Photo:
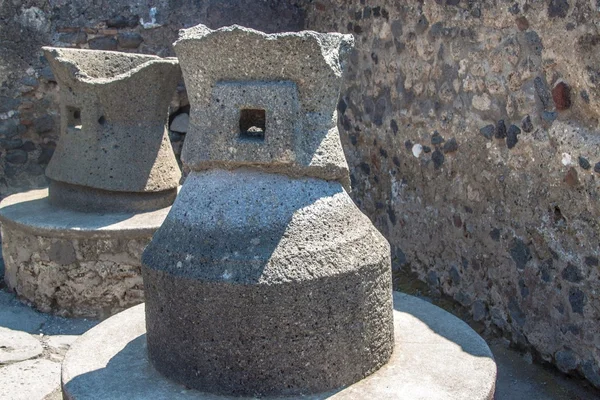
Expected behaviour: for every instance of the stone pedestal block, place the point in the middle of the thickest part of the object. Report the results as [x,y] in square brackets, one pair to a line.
[75,249]
[72,263]
[262,283]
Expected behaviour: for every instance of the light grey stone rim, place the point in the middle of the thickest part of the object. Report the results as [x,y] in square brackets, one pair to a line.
[31,212]
[110,361]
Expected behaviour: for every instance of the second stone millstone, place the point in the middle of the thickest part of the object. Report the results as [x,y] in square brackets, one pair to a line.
[265,279]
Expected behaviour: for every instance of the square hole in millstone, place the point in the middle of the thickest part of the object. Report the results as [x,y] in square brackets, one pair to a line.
[252,124]
[73,117]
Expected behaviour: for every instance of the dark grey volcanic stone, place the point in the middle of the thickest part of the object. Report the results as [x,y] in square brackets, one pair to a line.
[436,356]
[265,279]
[294,77]
[263,284]
[86,199]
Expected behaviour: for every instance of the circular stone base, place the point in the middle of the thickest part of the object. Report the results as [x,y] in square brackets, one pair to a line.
[436,356]
[72,263]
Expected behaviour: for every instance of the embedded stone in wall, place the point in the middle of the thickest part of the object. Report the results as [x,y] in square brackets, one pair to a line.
[129,40]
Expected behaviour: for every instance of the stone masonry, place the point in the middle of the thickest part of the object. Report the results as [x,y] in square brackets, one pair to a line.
[470,127]
[83,278]
[472,134]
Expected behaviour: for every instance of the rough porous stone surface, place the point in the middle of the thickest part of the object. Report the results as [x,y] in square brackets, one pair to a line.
[29,380]
[29,107]
[294,78]
[86,199]
[273,285]
[17,346]
[401,87]
[113,136]
[508,223]
[265,278]
[436,357]
[92,278]
[70,263]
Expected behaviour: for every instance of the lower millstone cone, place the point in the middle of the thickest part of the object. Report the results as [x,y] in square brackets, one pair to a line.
[261,284]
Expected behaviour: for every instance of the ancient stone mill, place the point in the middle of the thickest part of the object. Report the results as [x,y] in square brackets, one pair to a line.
[265,280]
[74,249]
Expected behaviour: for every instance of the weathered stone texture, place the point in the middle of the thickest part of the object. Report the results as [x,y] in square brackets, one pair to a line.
[29,380]
[504,223]
[103,153]
[28,88]
[290,283]
[56,275]
[17,346]
[436,356]
[457,67]
[266,279]
[298,99]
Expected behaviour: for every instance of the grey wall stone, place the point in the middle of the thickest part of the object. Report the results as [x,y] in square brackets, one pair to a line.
[510,216]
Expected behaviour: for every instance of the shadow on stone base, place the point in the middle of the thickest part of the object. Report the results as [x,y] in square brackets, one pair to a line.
[436,356]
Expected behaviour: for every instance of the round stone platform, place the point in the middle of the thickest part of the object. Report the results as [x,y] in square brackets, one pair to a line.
[73,263]
[436,356]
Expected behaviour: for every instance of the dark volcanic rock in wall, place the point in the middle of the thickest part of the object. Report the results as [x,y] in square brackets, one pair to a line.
[16,156]
[542,91]
[558,8]
[103,43]
[511,136]
[520,253]
[121,21]
[500,130]
[129,40]
[450,146]
[488,131]
[526,124]
[438,159]
[584,163]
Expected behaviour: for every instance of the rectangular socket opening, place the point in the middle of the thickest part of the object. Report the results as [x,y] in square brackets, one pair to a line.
[73,117]
[252,124]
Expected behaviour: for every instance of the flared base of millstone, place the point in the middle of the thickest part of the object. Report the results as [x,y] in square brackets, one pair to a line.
[86,199]
[265,284]
[72,263]
[436,356]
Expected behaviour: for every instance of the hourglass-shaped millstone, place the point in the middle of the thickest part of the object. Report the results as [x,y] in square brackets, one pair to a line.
[265,278]
[114,151]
